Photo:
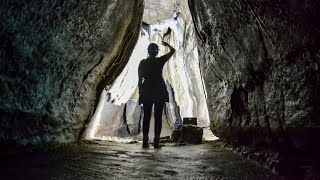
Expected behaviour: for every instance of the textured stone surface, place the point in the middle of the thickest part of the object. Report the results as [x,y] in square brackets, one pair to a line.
[56,57]
[158,10]
[183,73]
[187,134]
[260,62]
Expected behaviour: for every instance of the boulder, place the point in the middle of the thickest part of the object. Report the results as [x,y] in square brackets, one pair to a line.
[189,134]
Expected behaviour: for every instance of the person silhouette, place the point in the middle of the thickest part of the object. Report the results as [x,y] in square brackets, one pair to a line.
[152,90]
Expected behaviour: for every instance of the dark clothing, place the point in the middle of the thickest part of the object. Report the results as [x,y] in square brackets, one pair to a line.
[152,88]
[147,108]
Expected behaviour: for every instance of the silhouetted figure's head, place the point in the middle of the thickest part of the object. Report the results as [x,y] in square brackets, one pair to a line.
[153,50]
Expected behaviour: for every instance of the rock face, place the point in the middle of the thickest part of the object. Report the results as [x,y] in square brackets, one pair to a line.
[56,57]
[156,11]
[260,63]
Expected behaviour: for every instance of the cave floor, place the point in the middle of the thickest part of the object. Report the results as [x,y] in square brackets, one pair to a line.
[111,160]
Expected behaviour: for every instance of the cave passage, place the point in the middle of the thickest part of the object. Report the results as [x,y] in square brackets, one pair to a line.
[247,70]
[119,116]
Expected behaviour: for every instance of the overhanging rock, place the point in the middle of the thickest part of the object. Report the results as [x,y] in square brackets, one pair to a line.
[56,58]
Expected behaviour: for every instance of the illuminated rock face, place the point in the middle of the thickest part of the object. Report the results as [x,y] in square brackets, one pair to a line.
[182,73]
[260,63]
[56,57]
[156,11]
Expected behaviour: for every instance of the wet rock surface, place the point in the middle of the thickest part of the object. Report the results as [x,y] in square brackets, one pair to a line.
[107,160]
[260,63]
[56,57]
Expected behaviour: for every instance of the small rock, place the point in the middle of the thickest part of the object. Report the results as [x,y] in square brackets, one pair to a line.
[187,134]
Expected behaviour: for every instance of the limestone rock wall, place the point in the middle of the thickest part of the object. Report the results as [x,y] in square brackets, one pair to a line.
[110,118]
[183,72]
[260,62]
[55,59]
[156,11]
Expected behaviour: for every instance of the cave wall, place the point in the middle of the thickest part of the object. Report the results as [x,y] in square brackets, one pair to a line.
[183,71]
[260,63]
[55,59]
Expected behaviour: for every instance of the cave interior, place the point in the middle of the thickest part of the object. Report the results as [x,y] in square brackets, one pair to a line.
[248,70]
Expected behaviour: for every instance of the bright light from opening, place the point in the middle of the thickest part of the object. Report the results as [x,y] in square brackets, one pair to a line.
[182,73]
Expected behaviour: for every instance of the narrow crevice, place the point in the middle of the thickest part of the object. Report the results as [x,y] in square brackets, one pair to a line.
[124,117]
[178,120]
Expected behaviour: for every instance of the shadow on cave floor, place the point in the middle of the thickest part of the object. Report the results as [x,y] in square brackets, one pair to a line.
[111,160]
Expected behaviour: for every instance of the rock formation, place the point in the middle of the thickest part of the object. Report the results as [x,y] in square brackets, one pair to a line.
[55,59]
[260,63]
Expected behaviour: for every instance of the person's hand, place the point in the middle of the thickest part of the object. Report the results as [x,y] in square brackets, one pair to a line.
[165,44]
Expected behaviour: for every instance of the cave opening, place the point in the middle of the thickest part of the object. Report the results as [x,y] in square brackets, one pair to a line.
[118,116]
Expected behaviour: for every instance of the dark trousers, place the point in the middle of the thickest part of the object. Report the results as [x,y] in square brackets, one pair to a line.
[147,108]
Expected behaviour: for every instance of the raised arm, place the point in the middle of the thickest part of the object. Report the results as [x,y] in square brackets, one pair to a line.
[172,50]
